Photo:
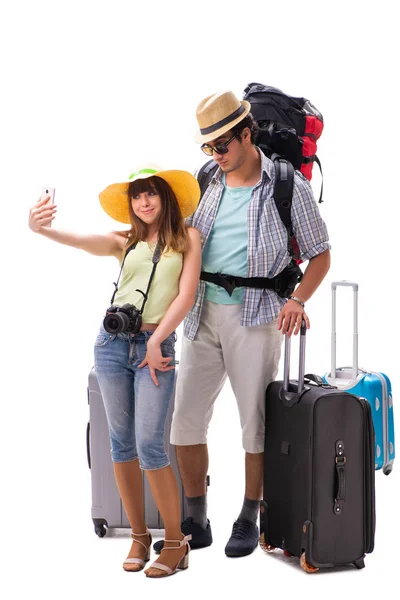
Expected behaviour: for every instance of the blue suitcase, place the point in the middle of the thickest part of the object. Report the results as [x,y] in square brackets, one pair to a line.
[374,386]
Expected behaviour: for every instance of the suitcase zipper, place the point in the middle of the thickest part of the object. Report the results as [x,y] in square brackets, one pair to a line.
[385,419]
[370,478]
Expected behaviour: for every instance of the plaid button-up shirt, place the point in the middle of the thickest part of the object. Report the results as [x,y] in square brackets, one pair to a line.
[267,253]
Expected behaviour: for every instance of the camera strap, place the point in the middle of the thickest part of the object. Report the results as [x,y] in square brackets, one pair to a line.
[155,261]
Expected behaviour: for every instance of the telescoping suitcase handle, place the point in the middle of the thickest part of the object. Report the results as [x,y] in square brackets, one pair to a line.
[334,373]
[286,394]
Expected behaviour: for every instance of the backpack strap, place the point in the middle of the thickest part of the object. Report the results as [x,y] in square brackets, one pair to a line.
[205,174]
[316,159]
[310,159]
[283,193]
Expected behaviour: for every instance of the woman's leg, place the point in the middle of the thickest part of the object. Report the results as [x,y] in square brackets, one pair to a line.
[151,408]
[129,478]
[116,381]
[166,496]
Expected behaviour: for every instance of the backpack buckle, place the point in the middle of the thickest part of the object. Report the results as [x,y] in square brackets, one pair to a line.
[228,282]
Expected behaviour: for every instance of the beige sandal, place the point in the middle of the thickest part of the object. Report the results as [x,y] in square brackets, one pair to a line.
[182,564]
[138,561]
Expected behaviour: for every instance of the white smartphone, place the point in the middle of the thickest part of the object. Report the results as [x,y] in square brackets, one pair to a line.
[48,191]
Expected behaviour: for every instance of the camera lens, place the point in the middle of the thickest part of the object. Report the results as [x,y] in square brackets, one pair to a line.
[111,324]
[116,323]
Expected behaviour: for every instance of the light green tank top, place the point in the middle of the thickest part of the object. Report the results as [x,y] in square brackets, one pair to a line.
[136,274]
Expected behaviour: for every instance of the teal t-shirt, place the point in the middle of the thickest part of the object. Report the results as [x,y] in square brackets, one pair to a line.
[226,247]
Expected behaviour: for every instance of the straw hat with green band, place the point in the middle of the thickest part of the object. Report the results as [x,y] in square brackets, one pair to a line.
[114,199]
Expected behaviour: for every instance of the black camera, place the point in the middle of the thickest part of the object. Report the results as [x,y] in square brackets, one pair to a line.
[120,319]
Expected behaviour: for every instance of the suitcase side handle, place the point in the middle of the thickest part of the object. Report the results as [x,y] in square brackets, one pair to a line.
[88,445]
[354,286]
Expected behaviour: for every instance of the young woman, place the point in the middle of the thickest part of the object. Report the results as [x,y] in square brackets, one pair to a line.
[134,350]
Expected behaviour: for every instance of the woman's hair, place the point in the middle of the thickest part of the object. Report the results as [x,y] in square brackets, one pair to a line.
[172,233]
[249,122]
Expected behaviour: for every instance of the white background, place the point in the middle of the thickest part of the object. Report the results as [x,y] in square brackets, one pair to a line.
[89,89]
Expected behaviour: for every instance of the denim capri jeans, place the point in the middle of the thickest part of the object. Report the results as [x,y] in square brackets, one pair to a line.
[136,408]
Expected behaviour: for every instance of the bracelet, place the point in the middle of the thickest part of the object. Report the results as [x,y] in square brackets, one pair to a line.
[297,300]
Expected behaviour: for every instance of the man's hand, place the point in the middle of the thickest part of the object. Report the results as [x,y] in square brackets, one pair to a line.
[290,318]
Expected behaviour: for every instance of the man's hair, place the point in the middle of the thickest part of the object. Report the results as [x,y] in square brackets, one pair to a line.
[249,122]
[172,233]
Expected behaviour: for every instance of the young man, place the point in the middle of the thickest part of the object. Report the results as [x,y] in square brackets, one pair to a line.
[238,335]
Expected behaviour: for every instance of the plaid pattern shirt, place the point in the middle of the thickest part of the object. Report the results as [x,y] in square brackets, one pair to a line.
[267,253]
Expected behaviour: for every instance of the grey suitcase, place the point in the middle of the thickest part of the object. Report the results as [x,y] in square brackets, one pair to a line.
[107,509]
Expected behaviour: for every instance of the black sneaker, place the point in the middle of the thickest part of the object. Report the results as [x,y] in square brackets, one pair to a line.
[244,538]
[201,538]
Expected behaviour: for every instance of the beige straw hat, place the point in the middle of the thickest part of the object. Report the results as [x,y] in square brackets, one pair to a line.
[218,114]
[114,199]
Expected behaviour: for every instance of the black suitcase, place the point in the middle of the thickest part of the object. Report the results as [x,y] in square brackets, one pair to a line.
[319,476]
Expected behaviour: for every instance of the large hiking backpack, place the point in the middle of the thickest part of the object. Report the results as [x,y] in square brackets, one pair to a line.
[289,126]
[289,130]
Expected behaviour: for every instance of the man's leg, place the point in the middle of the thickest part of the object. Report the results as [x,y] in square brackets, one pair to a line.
[201,377]
[254,469]
[252,358]
[193,469]
[254,466]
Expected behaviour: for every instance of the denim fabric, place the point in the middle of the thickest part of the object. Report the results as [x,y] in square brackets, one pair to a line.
[136,408]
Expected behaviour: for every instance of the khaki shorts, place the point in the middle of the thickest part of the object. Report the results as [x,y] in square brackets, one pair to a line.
[249,356]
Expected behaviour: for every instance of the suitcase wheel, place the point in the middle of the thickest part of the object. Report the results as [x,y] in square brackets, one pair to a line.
[100,530]
[360,563]
[264,545]
[305,566]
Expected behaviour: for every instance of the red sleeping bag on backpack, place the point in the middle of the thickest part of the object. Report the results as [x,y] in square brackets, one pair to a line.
[289,126]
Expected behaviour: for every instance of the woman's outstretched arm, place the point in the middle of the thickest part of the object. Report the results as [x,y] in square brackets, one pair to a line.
[109,244]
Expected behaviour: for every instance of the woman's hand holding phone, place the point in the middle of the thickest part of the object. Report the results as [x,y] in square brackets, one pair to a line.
[43,212]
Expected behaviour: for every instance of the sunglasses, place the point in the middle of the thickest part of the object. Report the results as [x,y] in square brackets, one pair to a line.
[220,148]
